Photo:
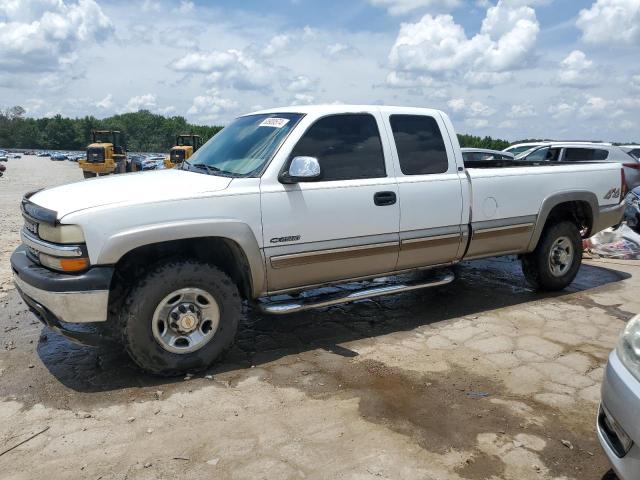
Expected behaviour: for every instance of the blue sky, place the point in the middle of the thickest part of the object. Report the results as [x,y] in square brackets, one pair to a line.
[507,68]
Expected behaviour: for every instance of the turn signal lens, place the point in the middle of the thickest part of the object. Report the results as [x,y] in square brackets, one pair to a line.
[64,264]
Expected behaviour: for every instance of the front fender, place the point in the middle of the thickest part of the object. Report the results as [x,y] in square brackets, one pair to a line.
[116,246]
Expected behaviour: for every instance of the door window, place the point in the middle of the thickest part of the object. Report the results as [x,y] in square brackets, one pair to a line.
[585,154]
[347,146]
[420,145]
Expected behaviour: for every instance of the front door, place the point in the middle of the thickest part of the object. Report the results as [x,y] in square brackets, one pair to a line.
[344,224]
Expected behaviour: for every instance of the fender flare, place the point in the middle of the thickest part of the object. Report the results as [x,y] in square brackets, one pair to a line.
[118,245]
[555,199]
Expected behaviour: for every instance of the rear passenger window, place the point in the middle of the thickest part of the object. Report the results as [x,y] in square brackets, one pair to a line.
[585,154]
[347,147]
[420,144]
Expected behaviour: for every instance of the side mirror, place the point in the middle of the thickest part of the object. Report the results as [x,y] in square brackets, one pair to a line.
[302,169]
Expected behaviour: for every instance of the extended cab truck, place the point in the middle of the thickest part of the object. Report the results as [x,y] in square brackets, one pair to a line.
[285,200]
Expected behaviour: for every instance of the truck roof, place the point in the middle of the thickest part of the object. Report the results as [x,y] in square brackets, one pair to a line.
[340,108]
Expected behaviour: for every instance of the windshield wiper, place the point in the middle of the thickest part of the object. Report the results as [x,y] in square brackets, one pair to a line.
[210,170]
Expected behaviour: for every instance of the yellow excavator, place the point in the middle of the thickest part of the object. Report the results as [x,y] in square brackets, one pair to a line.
[186,145]
[106,154]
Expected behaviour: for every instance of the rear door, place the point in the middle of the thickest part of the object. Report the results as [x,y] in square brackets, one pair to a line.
[430,187]
[343,225]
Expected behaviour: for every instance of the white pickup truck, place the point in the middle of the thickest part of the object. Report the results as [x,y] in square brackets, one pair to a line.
[286,200]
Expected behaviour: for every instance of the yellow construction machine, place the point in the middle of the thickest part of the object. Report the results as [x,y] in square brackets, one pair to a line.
[106,154]
[186,145]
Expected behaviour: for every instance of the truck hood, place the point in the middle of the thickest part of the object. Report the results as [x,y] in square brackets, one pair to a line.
[130,188]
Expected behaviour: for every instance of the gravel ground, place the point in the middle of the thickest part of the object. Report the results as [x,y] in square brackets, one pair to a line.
[480,379]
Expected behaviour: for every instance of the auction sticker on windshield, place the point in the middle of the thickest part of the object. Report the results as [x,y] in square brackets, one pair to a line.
[274,122]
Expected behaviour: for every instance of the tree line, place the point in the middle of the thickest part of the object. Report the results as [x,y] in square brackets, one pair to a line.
[144,131]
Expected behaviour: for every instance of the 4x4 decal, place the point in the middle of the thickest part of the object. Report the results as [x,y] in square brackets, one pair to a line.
[613,193]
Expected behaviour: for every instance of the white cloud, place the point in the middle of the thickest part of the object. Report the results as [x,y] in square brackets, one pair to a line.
[42,35]
[401,7]
[186,6]
[211,104]
[276,45]
[635,81]
[151,6]
[407,80]
[593,105]
[577,70]
[471,110]
[438,44]
[522,110]
[610,21]
[477,122]
[339,49]
[302,99]
[231,68]
[457,104]
[106,103]
[300,83]
[561,110]
[141,102]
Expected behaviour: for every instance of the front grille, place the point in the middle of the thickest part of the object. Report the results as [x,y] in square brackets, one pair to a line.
[177,156]
[31,227]
[95,155]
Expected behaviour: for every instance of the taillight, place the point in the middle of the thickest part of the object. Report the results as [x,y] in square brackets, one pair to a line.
[635,165]
[623,185]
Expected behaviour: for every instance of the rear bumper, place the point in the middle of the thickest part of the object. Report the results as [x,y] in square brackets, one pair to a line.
[608,217]
[80,298]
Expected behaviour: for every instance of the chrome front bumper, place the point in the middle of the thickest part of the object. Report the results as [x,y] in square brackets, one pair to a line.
[60,297]
[73,307]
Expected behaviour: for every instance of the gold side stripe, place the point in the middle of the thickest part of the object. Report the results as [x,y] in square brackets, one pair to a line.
[428,242]
[502,231]
[320,256]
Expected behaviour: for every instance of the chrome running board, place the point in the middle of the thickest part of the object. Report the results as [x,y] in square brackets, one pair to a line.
[300,305]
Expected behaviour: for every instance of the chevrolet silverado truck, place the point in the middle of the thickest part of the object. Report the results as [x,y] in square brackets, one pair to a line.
[281,202]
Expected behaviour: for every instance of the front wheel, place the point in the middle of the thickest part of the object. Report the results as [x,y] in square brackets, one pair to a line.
[555,262]
[180,317]
[89,174]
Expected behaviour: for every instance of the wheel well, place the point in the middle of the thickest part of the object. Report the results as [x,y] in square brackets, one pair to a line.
[577,211]
[226,254]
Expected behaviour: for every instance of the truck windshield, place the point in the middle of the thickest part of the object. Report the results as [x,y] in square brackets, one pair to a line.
[244,147]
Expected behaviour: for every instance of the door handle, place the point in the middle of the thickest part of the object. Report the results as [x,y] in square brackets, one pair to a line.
[382,199]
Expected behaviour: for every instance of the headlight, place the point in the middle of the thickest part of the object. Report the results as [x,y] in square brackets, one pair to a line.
[629,347]
[64,264]
[61,233]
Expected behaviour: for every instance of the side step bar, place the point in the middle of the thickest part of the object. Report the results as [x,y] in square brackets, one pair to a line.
[299,305]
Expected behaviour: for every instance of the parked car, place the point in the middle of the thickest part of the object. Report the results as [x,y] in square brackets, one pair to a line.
[4,156]
[474,154]
[618,423]
[633,150]
[44,154]
[586,152]
[285,200]
[58,157]
[518,148]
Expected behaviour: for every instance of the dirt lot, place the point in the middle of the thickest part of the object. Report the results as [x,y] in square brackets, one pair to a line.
[481,379]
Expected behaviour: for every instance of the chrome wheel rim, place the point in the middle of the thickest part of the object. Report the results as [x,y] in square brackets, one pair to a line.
[185,320]
[561,256]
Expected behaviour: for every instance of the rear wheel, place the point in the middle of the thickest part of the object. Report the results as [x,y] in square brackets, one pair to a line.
[88,174]
[555,262]
[180,317]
